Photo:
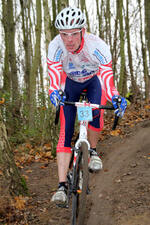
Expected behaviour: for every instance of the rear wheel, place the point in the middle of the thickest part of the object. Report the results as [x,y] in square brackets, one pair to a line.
[80,185]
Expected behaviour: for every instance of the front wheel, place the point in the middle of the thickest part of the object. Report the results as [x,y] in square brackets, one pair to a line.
[80,185]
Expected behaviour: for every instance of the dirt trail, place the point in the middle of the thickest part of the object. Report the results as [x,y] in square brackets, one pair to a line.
[120,193]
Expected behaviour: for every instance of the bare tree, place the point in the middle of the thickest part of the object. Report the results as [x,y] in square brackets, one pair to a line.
[25,14]
[6,71]
[84,9]
[35,65]
[47,23]
[144,56]
[11,182]
[108,24]
[147,36]
[134,88]
[123,79]
[10,66]
[115,44]
[147,25]
[62,4]
[99,14]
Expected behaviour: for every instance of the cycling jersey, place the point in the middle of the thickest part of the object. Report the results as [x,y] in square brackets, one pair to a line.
[93,58]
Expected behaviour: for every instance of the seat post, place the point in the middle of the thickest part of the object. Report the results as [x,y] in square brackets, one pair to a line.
[84,94]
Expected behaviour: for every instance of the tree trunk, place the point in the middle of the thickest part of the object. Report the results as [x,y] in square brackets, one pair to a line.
[147,25]
[108,24]
[12,60]
[122,80]
[35,66]
[11,182]
[47,23]
[11,88]
[134,89]
[25,13]
[6,71]
[101,32]
[115,47]
[62,4]
[144,56]
[147,35]
[53,29]
[84,9]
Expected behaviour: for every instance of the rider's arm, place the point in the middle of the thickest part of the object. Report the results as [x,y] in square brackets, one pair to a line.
[54,72]
[54,65]
[108,80]
[103,56]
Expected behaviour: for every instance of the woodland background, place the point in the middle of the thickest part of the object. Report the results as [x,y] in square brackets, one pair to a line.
[27,27]
[27,130]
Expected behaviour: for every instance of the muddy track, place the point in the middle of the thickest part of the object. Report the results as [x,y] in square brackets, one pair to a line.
[120,193]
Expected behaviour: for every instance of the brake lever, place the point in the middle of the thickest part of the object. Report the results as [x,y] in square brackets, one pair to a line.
[57,114]
[58,108]
[117,117]
[115,122]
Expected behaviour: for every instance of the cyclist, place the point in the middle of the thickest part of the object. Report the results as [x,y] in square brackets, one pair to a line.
[78,60]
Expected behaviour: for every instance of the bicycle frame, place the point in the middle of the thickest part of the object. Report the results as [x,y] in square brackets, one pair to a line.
[82,135]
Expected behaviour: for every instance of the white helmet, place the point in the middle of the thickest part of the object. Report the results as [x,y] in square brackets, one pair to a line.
[70,18]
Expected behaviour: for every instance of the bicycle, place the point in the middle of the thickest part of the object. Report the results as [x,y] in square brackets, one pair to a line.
[78,174]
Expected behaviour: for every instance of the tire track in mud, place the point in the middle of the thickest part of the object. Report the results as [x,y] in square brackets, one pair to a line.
[123,160]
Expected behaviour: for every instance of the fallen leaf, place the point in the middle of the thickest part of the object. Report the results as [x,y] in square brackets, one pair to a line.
[29,171]
[48,154]
[147,106]
[2,101]
[26,177]
[19,202]
[28,145]
[43,167]
[47,146]
[115,132]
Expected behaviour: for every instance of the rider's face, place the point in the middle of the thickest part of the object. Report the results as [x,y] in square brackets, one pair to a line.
[72,38]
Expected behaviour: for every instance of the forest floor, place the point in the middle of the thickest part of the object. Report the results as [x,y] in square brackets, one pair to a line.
[120,193]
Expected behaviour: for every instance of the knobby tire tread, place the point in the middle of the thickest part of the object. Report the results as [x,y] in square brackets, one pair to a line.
[79,200]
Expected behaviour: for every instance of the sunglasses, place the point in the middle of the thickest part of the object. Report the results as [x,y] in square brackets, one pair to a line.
[71,34]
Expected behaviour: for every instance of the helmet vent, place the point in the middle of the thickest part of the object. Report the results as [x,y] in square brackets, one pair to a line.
[58,23]
[62,22]
[82,21]
[67,20]
[77,22]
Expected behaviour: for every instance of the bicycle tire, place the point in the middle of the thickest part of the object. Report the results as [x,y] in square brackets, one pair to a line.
[79,196]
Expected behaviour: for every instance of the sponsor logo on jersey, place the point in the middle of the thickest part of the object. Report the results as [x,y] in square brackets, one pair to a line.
[58,55]
[99,56]
[81,73]
[71,66]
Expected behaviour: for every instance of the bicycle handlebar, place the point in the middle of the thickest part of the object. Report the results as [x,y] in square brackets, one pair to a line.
[77,104]
[109,107]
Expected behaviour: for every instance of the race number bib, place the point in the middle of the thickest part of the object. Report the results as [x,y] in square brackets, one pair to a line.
[85,113]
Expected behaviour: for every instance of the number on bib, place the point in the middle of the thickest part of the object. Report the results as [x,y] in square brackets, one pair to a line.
[85,113]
